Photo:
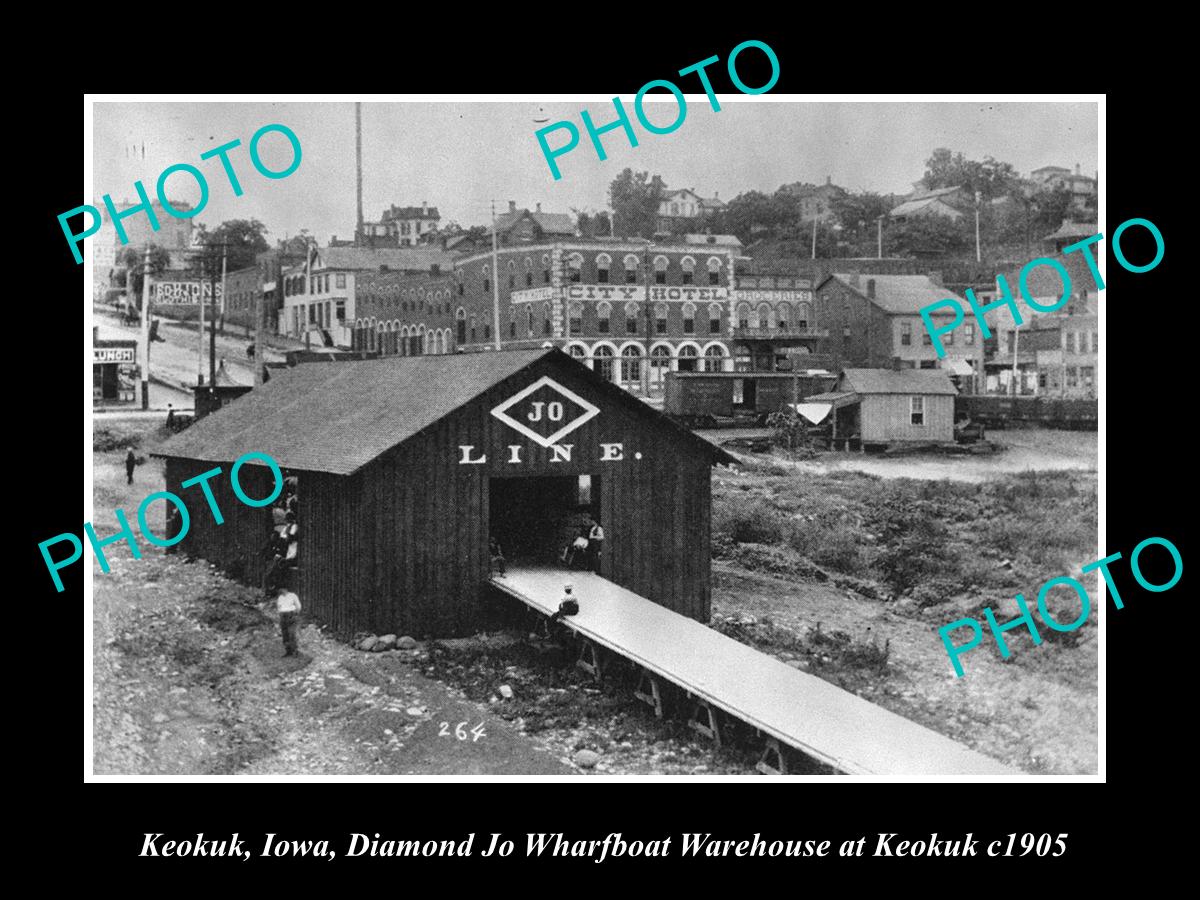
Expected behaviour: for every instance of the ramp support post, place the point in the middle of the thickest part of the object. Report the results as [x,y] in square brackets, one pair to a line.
[589,658]
[647,691]
[772,750]
[708,726]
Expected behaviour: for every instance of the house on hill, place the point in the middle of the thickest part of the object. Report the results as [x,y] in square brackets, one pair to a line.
[523,226]
[948,203]
[405,466]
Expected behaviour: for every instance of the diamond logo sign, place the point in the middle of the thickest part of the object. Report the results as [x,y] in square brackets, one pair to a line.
[545,412]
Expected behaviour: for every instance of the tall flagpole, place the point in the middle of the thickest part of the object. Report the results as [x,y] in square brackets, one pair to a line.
[145,328]
[495,281]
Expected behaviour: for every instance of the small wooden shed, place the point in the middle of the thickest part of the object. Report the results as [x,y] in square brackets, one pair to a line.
[889,406]
[405,465]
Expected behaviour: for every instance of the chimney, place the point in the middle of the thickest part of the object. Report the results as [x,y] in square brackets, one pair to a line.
[424,208]
[512,206]
[828,180]
[539,206]
[870,288]
[1076,168]
[716,195]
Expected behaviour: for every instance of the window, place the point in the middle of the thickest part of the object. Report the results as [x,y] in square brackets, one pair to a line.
[1069,341]
[743,315]
[461,288]
[341,311]
[631,269]
[512,281]
[926,340]
[512,321]
[545,269]
[969,334]
[575,316]
[603,261]
[783,312]
[714,319]
[947,339]
[631,364]
[660,364]
[1095,342]
[602,362]
[487,285]
[631,318]
[714,270]
[929,364]
[529,320]
[660,270]
[689,318]
[906,334]
[462,327]
[763,314]
[714,359]
[547,327]
[917,410]
[688,265]
[472,329]
[603,311]
[1087,375]
[687,359]
[1072,377]
[575,268]
[660,318]
[577,352]
[528,279]
[803,316]
[487,331]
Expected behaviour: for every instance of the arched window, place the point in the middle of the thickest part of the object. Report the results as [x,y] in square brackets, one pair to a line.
[421,340]
[783,316]
[461,317]
[575,317]
[762,316]
[660,270]
[660,364]
[689,318]
[660,318]
[487,282]
[631,318]
[512,321]
[714,270]
[803,315]
[512,274]
[575,268]
[603,262]
[528,272]
[578,352]
[714,318]
[405,344]
[545,268]
[603,311]
[687,359]
[743,315]
[631,269]
[472,329]
[714,359]
[547,324]
[689,268]
[631,365]
[602,362]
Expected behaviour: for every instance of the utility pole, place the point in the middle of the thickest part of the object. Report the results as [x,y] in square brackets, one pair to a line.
[879,223]
[495,281]
[645,368]
[223,249]
[212,324]
[358,163]
[200,329]
[145,328]
[978,254]
[259,303]
[814,239]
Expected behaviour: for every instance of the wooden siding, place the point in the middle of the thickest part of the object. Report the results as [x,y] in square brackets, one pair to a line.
[401,545]
[887,417]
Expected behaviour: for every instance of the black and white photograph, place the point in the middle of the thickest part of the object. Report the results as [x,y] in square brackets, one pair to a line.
[683,436]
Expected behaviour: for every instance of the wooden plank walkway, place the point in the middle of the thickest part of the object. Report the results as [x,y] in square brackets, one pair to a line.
[798,709]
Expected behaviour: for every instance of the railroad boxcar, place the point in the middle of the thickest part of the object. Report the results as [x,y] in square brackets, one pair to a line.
[715,399]
[1048,412]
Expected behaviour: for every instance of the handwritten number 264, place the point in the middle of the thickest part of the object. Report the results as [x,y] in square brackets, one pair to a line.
[460,731]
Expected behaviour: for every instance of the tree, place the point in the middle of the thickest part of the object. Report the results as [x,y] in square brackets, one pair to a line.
[134,262]
[931,236]
[990,178]
[634,199]
[246,238]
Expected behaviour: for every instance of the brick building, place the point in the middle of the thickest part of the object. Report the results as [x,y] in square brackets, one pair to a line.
[875,322]
[404,314]
[610,302]
[774,326]
[524,226]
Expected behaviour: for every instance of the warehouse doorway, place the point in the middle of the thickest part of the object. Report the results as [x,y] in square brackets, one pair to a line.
[535,519]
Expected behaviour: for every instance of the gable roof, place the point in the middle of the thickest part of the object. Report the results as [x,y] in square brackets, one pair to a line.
[908,207]
[550,223]
[891,381]
[339,417]
[901,293]
[395,258]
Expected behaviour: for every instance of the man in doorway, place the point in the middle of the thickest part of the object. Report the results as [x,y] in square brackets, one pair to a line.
[496,555]
[130,463]
[578,549]
[288,605]
[595,546]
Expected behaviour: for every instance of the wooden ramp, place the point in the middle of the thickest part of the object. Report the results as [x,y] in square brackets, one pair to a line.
[790,706]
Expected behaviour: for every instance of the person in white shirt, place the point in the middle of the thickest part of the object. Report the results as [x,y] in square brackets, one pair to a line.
[595,546]
[288,605]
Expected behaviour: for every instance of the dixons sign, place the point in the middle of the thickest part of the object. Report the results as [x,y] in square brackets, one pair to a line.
[545,412]
[183,293]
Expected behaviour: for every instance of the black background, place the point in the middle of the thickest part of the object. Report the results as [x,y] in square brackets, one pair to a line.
[1148,419]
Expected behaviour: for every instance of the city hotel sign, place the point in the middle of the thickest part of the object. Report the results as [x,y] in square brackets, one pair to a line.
[624,292]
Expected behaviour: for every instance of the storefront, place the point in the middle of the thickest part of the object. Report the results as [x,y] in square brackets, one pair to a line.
[114,371]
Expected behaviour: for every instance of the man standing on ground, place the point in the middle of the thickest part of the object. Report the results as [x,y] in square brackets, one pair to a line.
[130,462]
[288,605]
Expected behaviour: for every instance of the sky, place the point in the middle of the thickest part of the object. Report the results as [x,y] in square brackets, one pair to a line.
[461,156]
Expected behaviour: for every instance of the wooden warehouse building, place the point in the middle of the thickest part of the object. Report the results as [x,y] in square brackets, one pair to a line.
[887,407]
[404,466]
